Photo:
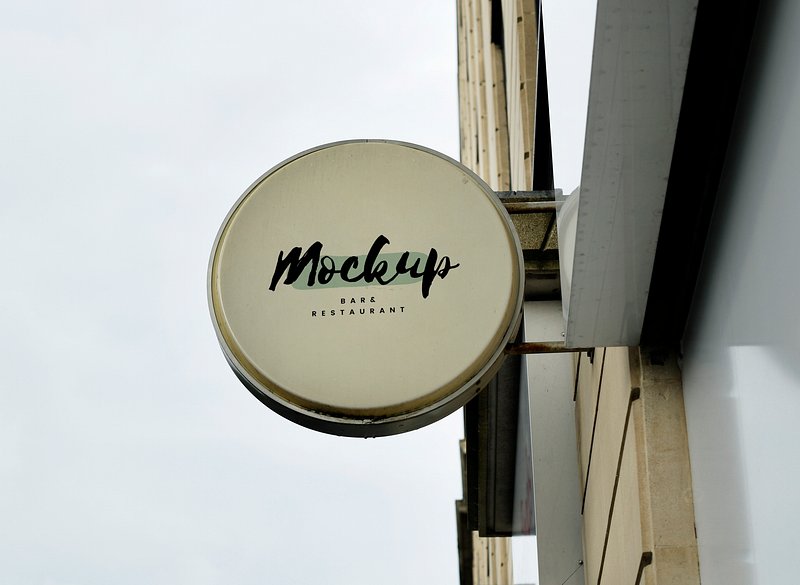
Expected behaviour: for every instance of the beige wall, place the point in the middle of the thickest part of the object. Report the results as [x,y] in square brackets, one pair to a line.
[637,489]
[497,92]
[491,561]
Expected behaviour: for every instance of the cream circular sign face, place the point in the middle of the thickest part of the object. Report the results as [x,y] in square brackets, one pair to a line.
[366,288]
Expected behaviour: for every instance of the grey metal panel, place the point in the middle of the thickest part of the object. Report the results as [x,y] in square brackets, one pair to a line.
[490,422]
[549,380]
[741,373]
[641,52]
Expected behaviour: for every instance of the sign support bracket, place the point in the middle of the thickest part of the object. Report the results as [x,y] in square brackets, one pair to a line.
[519,202]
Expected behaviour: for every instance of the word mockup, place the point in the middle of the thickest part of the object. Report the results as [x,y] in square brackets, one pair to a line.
[318,270]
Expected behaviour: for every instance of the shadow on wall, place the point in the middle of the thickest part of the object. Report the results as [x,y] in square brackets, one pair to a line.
[741,366]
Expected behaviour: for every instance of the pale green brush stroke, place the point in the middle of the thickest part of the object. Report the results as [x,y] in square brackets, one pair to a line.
[336,282]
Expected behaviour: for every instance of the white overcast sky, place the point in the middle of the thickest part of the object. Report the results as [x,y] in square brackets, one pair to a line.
[129,452]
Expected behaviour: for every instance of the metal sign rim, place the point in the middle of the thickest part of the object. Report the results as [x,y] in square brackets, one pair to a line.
[373,426]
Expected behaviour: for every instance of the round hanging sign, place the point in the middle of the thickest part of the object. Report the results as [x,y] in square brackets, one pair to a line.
[366,288]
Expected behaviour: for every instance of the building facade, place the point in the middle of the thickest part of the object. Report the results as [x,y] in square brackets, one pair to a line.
[673,300]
